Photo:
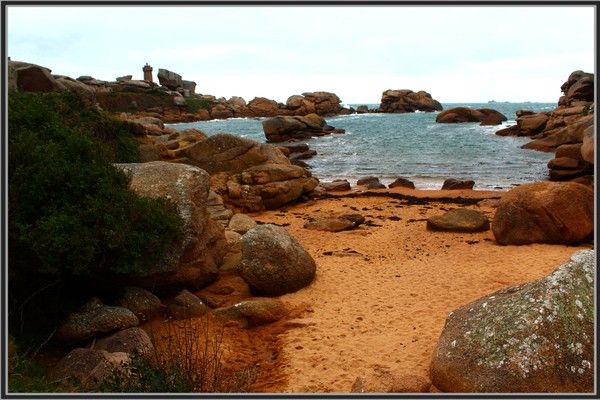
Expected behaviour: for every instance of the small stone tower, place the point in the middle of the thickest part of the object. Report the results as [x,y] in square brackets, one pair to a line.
[147,72]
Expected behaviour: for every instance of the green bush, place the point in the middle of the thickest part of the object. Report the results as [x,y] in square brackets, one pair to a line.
[71,214]
[196,103]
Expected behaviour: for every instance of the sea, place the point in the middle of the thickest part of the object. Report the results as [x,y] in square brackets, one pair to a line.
[413,146]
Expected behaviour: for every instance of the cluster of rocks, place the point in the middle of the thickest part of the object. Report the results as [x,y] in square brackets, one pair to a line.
[263,260]
[405,101]
[486,116]
[285,128]
[320,103]
[174,81]
[247,175]
[535,337]
[372,182]
[568,130]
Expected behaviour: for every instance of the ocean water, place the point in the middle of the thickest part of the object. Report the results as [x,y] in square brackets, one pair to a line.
[413,146]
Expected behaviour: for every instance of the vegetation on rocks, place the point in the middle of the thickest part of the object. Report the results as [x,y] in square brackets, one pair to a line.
[72,218]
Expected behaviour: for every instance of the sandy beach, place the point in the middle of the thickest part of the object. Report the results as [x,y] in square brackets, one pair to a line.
[382,291]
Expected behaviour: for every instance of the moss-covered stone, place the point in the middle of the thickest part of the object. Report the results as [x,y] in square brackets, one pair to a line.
[536,337]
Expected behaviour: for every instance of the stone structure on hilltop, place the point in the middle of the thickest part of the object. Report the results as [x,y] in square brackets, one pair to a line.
[147,72]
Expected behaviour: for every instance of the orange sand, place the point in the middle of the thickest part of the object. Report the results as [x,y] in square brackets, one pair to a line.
[381,299]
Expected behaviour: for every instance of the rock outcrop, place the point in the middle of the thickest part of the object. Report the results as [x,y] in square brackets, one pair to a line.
[535,337]
[194,261]
[273,262]
[566,123]
[485,116]
[284,128]
[545,212]
[169,79]
[405,100]
[248,175]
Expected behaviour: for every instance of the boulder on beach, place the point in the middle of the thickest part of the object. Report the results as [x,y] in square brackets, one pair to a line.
[253,311]
[335,223]
[403,101]
[459,220]
[94,319]
[535,337]
[141,302]
[133,341]
[241,223]
[338,185]
[194,261]
[401,182]
[457,184]
[273,262]
[370,182]
[187,305]
[545,212]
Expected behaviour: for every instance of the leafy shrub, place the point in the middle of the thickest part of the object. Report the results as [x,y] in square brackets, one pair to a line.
[29,376]
[120,101]
[196,103]
[71,214]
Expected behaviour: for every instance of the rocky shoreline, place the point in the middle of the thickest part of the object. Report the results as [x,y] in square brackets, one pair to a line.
[236,197]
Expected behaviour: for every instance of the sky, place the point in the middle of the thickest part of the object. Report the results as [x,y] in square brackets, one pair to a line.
[458,54]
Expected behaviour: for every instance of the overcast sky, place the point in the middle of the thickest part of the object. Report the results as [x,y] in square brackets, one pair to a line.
[458,54]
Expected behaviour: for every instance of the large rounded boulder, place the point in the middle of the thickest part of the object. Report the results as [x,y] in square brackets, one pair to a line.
[545,212]
[273,262]
[95,319]
[536,337]
[194,261]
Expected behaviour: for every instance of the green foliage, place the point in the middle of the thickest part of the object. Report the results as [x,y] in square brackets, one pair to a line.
[28,376]
[70,211]
[122,101]
[157,92]
[196,103]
